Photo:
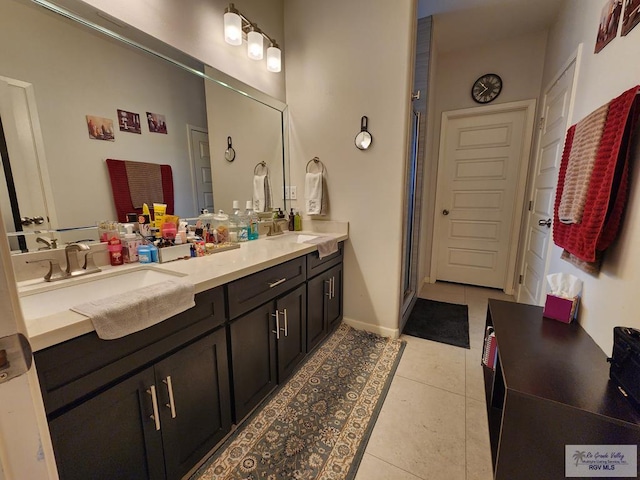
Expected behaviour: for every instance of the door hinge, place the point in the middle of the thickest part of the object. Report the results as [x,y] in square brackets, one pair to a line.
[520,280]
[15,356]
[541,123]
[530,205]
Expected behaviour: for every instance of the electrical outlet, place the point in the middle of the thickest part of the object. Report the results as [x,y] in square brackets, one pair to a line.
[293,194]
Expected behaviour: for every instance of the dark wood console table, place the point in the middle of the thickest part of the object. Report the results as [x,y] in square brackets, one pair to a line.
[550,388]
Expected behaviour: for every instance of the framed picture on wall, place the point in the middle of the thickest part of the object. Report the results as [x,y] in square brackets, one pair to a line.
[631,16]
[129,122]
[100,128]
[609,20]
[157,123]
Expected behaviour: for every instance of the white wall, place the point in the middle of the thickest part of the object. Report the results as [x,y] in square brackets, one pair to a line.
[346,60]
[608,298]
[196,28]
[89,75]
[519,63]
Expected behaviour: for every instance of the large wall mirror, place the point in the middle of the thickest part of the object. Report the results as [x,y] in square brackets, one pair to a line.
[56,71]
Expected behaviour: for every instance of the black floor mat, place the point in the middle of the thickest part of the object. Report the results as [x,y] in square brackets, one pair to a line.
[440,322]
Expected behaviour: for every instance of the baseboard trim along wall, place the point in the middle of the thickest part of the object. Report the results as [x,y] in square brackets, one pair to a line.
[382,331]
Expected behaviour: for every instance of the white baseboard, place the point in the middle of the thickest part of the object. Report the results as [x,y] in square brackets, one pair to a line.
[382,331]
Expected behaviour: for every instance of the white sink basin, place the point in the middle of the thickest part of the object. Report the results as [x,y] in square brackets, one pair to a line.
[55,297]
[293,237]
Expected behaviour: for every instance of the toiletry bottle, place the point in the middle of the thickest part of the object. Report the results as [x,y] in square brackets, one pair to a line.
[144,254]
[298,222]
[130,247]
[243,227]
[233,222]
[252,220]
[154,252]
[115,251]
[292,221]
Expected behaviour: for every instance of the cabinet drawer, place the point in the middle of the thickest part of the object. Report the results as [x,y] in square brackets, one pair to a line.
[316,265]
[76,368]
[250,292]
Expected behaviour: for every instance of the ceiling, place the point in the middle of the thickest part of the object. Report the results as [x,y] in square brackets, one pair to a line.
[461,24]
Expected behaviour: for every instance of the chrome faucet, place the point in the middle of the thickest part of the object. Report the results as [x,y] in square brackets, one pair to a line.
[276,226]
[73,267]
[49,243]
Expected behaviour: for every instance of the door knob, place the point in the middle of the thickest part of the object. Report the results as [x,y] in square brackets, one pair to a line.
[445,212]
[546,223]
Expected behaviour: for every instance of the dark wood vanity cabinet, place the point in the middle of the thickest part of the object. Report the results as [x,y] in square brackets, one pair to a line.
[550,388]
[269,342]
[324,296]
[147,414]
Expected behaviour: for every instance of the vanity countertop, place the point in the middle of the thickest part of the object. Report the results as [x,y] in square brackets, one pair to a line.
[204,272]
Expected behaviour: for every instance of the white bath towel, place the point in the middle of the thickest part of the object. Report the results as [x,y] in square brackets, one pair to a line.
[118,316]
[261,193]
[326,245]
[314,193]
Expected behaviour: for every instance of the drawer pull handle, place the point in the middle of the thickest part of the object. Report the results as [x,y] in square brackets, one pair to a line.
[328,294]
[333,287]
[154,400]
[171,405]
[277,330]
[286,323]
[277,282]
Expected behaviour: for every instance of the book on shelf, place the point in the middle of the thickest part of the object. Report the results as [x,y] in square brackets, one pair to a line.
[490,351]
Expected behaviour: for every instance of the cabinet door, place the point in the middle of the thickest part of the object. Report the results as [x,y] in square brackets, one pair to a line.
[111,435]
[334,301]
[253,358]
[195,406]
[317,293]
[292,344]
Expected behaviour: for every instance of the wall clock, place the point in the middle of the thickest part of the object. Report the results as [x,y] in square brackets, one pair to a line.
[486,88]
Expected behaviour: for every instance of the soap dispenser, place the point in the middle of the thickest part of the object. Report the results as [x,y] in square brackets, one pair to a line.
[292,221]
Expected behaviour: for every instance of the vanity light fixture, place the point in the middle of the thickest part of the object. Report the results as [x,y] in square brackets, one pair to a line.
[236,24]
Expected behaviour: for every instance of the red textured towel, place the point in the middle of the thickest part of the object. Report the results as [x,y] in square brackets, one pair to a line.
[608,186]
[122,195]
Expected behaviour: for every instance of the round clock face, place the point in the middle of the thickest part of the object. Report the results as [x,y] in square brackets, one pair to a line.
[486,88]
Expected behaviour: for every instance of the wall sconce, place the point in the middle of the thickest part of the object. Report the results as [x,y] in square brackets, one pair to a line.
[235,24]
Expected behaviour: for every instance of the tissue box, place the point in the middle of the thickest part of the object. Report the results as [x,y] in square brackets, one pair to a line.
[562,309]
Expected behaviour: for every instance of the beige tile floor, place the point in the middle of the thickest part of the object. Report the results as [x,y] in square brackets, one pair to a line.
[433,423]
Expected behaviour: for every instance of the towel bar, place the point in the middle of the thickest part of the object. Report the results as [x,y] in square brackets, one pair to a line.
[316,162]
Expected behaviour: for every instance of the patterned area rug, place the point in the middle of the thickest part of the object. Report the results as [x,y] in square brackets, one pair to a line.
[316,426]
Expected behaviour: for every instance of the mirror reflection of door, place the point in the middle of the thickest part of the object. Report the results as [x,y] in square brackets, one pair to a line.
[22,190]
[201,168]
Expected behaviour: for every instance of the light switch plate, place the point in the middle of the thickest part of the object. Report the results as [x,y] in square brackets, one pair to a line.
[293,194]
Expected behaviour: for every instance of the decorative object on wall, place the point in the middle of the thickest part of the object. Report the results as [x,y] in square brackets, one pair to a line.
[596,156]
[364,138]
[235,24]
[129,122]
[486,88]
[100,128]
[609,20]
[315,189]
[157,123]
[631,16]
[229,153]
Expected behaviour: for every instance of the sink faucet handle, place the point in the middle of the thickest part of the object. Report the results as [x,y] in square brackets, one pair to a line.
[89,264]
[54,273]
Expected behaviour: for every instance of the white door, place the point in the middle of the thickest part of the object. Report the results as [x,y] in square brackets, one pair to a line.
[201,169]
[25,446]
[24,163]
[481,177]
[556,112]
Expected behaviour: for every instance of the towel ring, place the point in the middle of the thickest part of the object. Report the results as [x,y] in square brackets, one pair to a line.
[261,165]
[316,161]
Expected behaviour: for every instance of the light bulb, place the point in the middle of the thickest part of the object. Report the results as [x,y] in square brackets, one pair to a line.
[254,45]
[274,63]
[232,28]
